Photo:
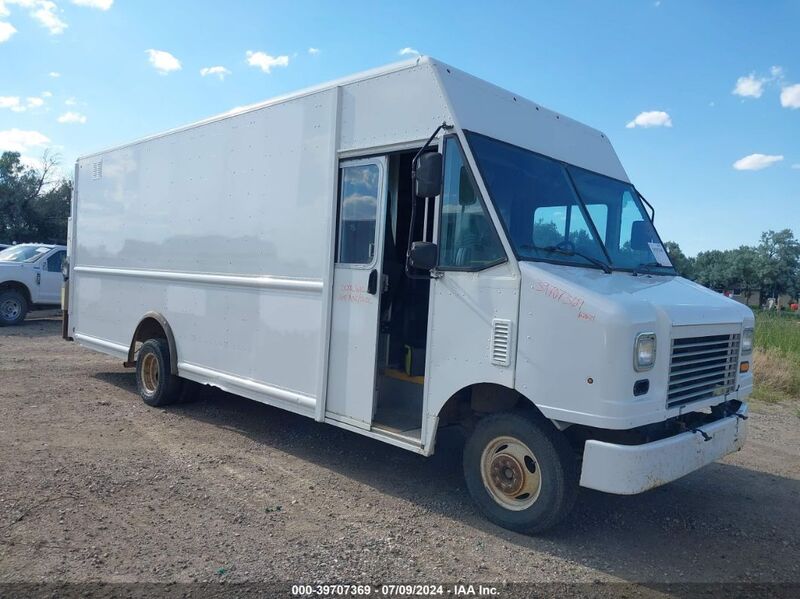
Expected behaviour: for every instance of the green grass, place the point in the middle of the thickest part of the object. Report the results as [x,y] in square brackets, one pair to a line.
[776,359]
[779,331]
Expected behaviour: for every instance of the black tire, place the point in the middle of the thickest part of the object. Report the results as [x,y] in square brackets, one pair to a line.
[156,386]
[553,462]
[13,307]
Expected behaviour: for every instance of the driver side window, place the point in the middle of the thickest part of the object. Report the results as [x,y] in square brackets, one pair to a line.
[467,238]
[55,261]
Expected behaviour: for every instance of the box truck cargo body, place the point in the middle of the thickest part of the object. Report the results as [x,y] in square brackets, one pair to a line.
[407,249]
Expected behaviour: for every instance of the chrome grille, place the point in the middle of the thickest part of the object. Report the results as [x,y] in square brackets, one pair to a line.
[702,367]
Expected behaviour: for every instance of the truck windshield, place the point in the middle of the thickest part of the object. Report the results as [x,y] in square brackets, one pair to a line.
[23,253]
[561,213]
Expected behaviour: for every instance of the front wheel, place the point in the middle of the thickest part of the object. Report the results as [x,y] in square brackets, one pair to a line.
[13,307]
[521,472]
[156,385]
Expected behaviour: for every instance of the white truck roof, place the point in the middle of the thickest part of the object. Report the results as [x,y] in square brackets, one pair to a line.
[433,91]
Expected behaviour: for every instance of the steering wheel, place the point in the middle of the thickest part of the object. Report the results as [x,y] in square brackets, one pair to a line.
[566,246]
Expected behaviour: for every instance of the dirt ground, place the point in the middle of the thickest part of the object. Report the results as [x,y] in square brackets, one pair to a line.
[96,486]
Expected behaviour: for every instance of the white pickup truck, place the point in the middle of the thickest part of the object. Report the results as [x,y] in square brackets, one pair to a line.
[30,275]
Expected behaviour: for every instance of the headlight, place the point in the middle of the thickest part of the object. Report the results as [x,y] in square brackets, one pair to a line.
[644,351]
[747,340]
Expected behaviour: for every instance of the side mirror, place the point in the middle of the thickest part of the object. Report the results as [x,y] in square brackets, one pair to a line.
[428,175]
[466,192]
[424,255]
[640,235]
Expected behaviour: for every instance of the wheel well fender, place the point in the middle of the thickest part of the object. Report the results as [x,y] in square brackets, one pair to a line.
[483,398]
[153,325]
[17,286]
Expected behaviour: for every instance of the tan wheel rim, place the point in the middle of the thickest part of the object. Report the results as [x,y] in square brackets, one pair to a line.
[149,374]
[510,472]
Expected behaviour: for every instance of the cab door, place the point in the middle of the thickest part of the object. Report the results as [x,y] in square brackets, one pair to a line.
[49,278]
[356,291]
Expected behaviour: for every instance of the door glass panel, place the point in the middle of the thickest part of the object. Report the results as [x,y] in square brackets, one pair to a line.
[467,237]
[358,213]
[54,262]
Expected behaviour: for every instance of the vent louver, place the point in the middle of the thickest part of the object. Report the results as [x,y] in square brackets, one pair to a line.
[97,170]
[501,342]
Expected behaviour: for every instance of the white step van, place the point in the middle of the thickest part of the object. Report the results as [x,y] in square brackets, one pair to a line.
[407,249]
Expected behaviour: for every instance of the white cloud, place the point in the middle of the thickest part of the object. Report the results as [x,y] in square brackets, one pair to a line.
[265,62]
[71,102]
[72,117]
[313,51]
[790,96]
[30,161]
[99,4]
[17,140]
[755,162]
[6,31]
[45,13]
[796,166]
[651,118]
[749,86]
[16,104]
[219,71]
[164,62]
[408,52]
[11,102]
[47,94]
[54,74]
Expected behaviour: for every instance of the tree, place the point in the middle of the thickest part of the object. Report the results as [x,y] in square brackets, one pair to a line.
[779,263]
[34,202]
[683,264]
[711,269]
[742,269]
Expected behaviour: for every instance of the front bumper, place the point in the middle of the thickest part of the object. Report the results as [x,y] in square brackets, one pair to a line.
[631,469]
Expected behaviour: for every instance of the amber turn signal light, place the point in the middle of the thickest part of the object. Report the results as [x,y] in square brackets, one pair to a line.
[744,367]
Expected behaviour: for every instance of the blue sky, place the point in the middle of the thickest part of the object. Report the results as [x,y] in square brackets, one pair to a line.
[603,63]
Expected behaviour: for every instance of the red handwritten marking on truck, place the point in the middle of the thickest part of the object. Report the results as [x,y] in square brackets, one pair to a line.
[354,294]
[562,296]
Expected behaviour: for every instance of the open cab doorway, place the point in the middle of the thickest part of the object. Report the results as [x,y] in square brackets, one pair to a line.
[379,330]
[403,327]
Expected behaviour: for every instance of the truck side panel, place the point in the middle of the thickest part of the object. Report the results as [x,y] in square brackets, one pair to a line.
[224,229]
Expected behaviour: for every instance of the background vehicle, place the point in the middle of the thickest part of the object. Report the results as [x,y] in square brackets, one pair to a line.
[408,249]
[30,276]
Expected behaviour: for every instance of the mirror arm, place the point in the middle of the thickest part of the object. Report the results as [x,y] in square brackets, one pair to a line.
[409,273]
[649,205]
[444,126]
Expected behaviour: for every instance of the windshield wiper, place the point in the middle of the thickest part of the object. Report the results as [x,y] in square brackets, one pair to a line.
[642,268]
[570,252]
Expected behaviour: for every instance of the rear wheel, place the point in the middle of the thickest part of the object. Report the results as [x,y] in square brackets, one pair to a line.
[154,381]
[520,471]
[13,307]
